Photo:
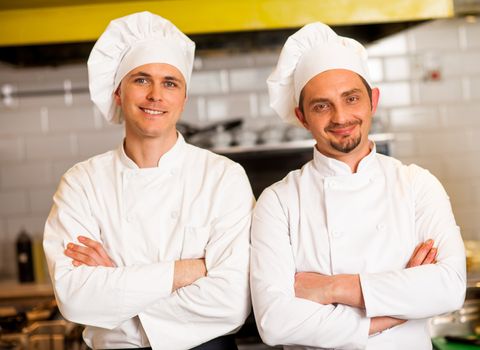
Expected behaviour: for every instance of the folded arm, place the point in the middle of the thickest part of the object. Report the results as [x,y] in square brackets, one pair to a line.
[92,253]
[346,289]
[407,293]
[220,302]
[281,316]
[97,296]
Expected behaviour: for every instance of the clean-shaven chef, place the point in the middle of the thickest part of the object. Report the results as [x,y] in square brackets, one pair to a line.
[148,244]
[355,250]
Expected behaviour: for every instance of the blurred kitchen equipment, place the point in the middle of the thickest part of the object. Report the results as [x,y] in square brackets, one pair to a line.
[24,257]
[272,135]
[295,133]
[202,136]
[221,138]
[463,322]
[38,329]
[246,137]
[472,251]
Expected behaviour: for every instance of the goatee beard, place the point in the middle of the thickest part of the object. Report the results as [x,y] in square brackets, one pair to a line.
[348,145]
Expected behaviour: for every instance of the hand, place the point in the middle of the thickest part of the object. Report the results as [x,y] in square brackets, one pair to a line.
[188,271]
[314,286]
[91,253]
[379,324]
[423,254]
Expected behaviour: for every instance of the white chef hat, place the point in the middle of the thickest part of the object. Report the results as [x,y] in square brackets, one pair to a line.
[313,49]
[127,43]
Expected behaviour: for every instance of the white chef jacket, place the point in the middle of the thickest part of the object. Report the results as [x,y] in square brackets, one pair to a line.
[194,204]
[322,218]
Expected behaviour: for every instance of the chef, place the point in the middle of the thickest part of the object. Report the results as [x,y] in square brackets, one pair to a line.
[148,244]
[355,250]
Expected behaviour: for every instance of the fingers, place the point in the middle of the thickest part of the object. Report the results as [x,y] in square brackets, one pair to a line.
[83,255]
[91,253]
[431,257]
[98,248]
[423,254]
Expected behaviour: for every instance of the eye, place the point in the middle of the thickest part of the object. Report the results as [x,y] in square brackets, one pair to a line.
[320,107]
[170,84]
[352,99]
[141,81]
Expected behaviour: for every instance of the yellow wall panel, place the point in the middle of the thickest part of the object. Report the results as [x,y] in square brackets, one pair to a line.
[62,24]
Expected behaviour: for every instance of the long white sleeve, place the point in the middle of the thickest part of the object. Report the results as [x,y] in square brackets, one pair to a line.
[220,302]
[97,296]
[428,290]
[281,317]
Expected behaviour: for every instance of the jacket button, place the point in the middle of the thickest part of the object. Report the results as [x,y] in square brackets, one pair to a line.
[337,234]
[332,184]
[130,217]
[174,214]
[381,227]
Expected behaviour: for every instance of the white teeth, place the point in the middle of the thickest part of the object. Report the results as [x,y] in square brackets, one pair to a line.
[151,111]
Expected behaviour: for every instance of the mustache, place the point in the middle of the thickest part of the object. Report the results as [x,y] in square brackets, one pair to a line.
[333,126]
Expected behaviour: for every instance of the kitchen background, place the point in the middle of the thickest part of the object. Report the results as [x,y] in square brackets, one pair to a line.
[429,77]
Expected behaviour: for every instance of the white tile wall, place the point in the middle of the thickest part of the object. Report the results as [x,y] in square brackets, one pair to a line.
[397,68]
[414,118]
[20,121]
[395,94]
[435,123]
[461,115]
[207,82]
[50,147]
[472,35]
[92,143]
[40,199]
[442,91]
[25,175]
[443,38]
[74,118]
[11,148]
[375,68]
[227,107]
[391,46]
[13,202]
[249,79]
[475,87]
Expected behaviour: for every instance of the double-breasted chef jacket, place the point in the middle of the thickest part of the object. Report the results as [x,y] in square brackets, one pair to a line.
[322,218]
[195,204]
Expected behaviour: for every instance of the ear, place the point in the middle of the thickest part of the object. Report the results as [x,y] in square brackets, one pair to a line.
[116,95]
[375,98]
[301,118]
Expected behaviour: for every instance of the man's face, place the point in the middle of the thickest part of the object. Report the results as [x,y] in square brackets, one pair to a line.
[152,98]
[338,112]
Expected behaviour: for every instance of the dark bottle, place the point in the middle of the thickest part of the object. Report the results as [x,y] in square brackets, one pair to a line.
[24,257]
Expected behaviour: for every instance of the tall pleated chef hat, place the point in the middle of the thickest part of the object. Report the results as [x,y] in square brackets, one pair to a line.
[313,49]
[129,42]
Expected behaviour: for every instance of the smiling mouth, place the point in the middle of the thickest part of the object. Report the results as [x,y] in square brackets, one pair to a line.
[342,130]
[152,111]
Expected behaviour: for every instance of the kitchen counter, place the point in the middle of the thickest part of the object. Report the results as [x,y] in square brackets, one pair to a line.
[12,289]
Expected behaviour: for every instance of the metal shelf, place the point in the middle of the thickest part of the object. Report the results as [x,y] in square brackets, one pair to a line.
[290,145]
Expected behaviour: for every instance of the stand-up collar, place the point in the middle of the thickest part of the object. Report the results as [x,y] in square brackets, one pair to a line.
[168,160]
[332,167]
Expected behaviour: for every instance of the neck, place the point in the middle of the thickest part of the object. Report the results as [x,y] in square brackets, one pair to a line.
[146,152]
[353,158]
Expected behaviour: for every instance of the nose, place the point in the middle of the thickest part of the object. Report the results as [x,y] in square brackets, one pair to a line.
[339,115]
[155,93]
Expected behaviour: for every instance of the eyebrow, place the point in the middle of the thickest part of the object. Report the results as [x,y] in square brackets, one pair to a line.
[144,74]
[349,92]
[344,94]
